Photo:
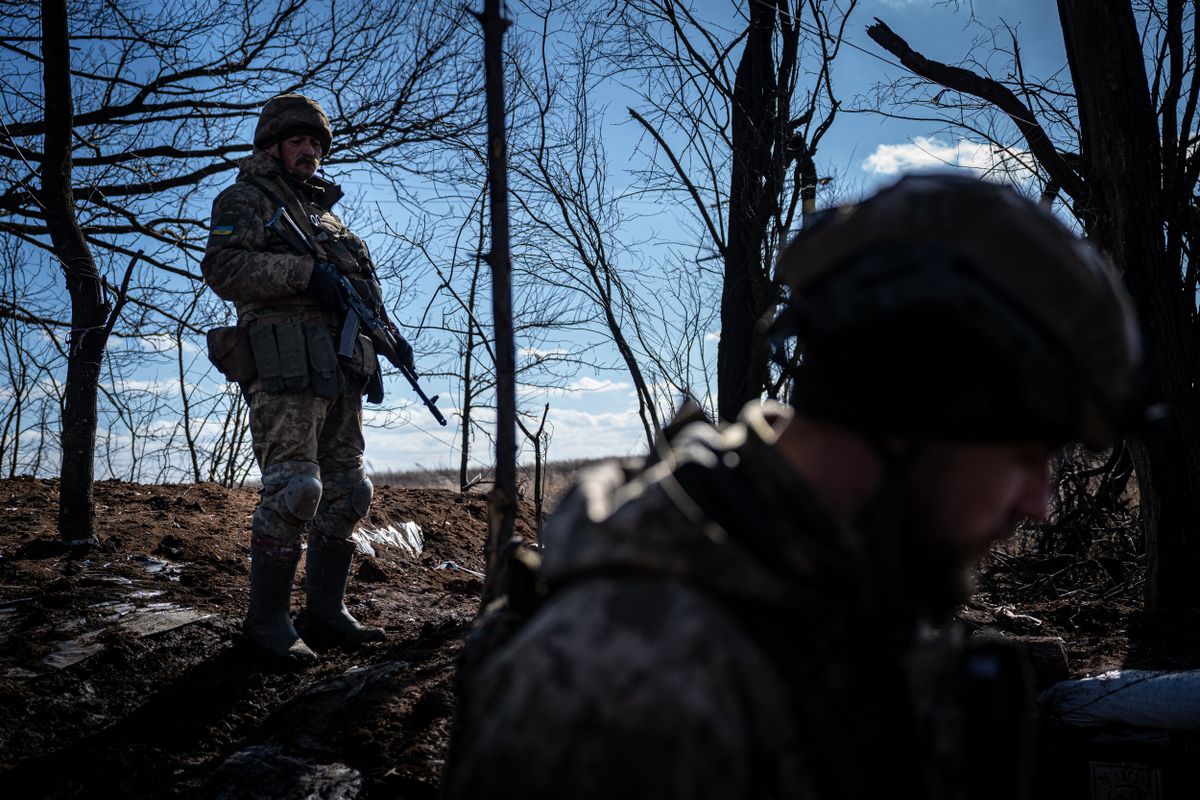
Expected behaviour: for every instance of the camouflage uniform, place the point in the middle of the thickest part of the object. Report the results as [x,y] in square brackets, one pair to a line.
[304,432]
[305,404]
[714,627]
[708,634]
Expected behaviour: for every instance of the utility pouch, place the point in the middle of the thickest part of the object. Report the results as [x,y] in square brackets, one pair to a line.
[229,351]
[293,355]
[327,380]
[266,358]
[364,362]
[373,388]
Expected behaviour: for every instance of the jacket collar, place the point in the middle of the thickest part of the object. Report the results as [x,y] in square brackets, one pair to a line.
[316,190]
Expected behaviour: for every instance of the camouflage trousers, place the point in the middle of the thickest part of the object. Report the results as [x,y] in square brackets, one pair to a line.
[310,451]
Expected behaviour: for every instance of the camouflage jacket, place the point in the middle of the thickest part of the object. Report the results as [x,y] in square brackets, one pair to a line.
[256,270]
[705,636]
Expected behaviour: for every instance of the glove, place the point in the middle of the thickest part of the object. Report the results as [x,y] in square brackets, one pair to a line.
[326,289]
[405,352]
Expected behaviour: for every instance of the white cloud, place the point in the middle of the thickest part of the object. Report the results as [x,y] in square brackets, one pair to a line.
[574,433]
[587,434]
[712,336]
[928,152]
[155,386]
[578,388]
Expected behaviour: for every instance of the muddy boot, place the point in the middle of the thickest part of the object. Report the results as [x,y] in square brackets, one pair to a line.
[325,583]
[268,624]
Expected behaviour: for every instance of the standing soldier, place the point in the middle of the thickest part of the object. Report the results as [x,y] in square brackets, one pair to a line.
[305,403]
[750,616]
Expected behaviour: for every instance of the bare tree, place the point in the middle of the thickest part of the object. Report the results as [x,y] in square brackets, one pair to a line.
[564,194]
[90,308]
[142,108]
[753,121]
[1119,143]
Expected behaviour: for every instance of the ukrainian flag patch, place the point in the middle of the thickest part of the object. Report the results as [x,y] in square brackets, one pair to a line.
[222,230]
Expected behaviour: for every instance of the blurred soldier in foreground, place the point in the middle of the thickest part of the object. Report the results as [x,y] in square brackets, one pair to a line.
[268,231]
[751,615]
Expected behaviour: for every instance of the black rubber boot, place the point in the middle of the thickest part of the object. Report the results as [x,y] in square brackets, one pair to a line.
[325,584]
[268,624]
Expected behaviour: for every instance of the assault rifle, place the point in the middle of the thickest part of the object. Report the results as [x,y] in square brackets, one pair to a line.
[358,314]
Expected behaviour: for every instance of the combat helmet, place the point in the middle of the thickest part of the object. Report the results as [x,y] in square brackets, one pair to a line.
[289,115]
[950,308]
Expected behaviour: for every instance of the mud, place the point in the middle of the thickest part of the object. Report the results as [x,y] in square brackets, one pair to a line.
[122,671]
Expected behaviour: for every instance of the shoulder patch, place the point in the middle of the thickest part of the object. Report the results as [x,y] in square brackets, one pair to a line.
[224,225]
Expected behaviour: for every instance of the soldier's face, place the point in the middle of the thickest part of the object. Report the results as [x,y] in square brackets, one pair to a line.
[964,498]
[300,155]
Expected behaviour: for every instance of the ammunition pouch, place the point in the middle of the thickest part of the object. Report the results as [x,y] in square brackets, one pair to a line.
[366,363]
[374,387]
[230,352]
[291,356]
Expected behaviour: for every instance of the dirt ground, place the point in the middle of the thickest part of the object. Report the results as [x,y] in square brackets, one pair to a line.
[122,672]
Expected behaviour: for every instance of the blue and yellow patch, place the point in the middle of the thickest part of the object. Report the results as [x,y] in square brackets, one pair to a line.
[222,230]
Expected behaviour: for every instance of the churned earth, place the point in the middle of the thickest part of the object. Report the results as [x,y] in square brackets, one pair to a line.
[122,671]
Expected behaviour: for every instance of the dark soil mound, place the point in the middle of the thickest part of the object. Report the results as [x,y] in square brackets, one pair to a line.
[122,670]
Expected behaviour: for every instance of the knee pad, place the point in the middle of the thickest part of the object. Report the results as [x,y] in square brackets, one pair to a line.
[301,496]
[348,494]
[292,489]
[347,500]
[360,496]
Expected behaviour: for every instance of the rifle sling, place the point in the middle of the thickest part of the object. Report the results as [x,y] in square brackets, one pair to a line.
[296,211]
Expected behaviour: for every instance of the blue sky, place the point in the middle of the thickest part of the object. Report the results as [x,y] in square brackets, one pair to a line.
[593,410]
[595,414]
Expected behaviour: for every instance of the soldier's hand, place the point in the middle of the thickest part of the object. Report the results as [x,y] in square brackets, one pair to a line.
[325,289]
[405,352]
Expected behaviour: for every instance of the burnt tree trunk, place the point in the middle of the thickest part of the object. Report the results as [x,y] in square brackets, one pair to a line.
[89,308]
[757,131]
[1124,210]
[502,501]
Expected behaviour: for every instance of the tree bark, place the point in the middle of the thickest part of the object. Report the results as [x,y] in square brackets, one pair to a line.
[741,363]
[502,502]
[89,308]
[1123,210]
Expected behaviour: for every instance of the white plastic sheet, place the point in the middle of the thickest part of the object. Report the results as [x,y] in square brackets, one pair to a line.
[406,537]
